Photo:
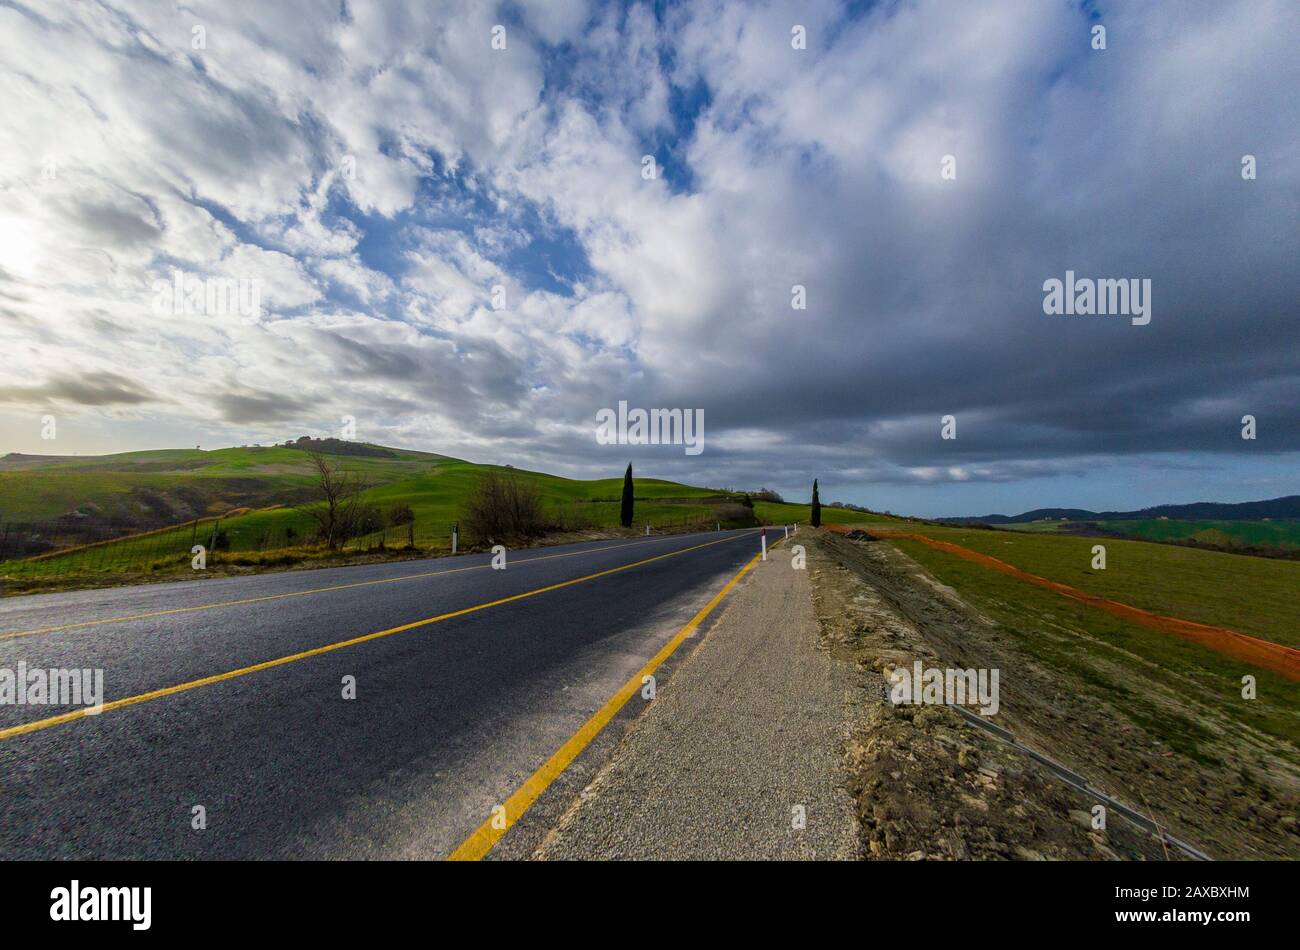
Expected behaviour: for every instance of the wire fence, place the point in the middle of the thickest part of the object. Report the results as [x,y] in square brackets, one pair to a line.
[65,546]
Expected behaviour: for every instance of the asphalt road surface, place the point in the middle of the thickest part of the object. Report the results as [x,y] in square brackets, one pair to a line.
[450,714]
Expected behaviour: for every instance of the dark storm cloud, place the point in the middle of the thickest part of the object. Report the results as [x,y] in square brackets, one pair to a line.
[469,378]
[925,297]
[88,389]
[256,407]
[114,226]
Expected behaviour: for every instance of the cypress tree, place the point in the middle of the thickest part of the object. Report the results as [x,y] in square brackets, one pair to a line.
[816,507]
[625,512]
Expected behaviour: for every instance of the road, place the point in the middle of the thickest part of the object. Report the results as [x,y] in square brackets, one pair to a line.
[741,756]
[227,695]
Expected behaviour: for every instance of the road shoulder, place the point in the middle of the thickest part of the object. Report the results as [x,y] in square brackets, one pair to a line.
[740,756]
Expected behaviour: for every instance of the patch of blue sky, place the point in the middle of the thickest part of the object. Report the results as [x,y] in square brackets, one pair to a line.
[550,258]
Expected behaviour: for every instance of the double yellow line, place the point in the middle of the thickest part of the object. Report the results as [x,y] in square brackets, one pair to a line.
[82,713]
[490,832]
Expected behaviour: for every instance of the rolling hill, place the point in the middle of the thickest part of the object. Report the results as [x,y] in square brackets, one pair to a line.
[1270,528]
[139,489]
[1286,507]
[143,511]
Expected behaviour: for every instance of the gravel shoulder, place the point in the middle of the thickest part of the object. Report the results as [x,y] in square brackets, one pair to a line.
[740,756]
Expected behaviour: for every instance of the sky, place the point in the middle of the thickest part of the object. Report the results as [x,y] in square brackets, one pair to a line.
[468,227]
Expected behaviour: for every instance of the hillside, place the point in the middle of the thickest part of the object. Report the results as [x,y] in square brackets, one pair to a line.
[141,490]
[134,491]
[144,489]
[1286,507]
[141,512]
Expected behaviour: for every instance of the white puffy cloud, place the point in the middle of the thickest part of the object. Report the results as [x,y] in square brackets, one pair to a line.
[379,168]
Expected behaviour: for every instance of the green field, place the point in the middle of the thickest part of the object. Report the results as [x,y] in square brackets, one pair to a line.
[196,491]
[1264,534]
[1252,595]
[1182,582]
[1283,535]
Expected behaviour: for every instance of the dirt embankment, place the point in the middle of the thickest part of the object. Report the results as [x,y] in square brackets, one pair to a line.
[928,785]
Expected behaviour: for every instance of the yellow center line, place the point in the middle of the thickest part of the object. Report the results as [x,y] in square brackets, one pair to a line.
[315,590]
[329,648]
[490,832]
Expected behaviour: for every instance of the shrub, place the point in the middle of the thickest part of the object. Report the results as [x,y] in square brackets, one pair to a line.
[733,514]
[367,520]
[502,508]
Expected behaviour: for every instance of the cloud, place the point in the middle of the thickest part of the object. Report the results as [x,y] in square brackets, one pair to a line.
[380,169]
[259,407]
[90,389]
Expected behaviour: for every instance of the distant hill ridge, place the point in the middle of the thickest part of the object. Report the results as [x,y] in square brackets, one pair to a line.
[1287,506]
[341,447]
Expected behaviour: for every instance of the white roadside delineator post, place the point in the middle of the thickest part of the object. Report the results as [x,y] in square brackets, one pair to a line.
[787,531]
[455,535]
[763,537]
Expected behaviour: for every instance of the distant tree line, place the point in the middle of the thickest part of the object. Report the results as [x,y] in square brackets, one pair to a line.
[333,446]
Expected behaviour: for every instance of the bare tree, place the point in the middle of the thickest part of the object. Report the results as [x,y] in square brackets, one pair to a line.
[340,512]
[503,507]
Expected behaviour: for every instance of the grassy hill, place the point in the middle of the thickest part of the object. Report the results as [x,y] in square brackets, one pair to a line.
[138,489]
[142,511]
[1284,508]
[1270,527]
[1266,536]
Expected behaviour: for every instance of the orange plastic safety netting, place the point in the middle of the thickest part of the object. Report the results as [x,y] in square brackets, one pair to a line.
[1279,659]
